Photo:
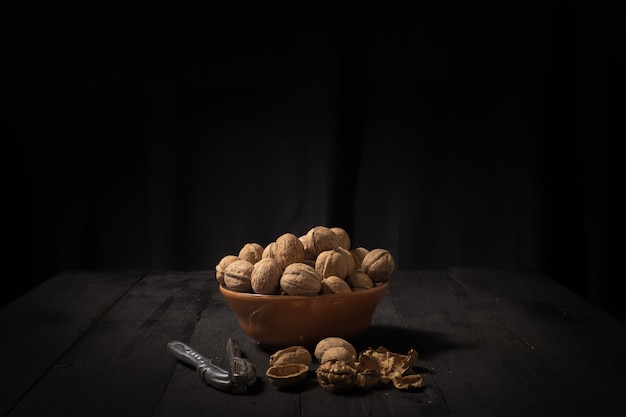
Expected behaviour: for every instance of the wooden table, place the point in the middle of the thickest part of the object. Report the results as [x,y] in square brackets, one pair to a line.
[491,343]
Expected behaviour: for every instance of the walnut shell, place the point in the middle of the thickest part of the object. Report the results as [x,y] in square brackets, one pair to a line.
[368,372]
[335,285]
[268,251]
[349,260]
[292,354]
[300,279]
[251,252]
[338,353]
[287,249]
[359,281]
[342,235]
[331,262]
[265,276]
[237,275]
[222,264]
[330,342]
[336,376]
[358,254]
[287,375]
[318,239]
[378,264]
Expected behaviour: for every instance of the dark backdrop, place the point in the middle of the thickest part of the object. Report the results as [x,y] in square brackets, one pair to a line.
[165,135]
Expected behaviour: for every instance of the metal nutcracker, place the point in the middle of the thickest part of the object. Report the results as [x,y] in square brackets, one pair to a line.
[239,377]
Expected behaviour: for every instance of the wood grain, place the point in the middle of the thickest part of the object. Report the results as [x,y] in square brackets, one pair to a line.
[39,327]
[121,365]
[491,343]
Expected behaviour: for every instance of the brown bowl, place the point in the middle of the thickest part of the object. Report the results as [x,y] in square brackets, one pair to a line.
[279,321]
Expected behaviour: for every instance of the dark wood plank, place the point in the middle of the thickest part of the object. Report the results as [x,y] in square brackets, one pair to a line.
[121,366]
[43,324]
[479,363]
[581,343]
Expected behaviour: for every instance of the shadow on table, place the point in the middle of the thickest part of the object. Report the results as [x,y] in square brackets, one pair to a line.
[399,340]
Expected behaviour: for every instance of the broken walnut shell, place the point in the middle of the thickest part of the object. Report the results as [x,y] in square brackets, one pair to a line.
[292,354]
[287,375]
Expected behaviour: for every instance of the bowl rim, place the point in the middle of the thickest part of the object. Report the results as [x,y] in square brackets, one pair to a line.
[226,291]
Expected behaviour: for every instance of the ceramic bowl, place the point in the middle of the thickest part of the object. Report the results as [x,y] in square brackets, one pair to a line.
[279,321]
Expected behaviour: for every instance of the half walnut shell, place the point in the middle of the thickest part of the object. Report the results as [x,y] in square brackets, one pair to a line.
[287,375]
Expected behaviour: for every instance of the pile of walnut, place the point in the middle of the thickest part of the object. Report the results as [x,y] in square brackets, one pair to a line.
[319,262]
[341,369]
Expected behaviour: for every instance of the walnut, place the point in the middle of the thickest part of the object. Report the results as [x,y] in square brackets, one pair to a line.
[378,264]
[330,342]
[335,285]
[339,353]
[349,260]
[331,262]
[237,275]
[292,354]
[287,249]
[358,254]
[268,251]
[251,252]
[336,376]
[300,279]
[318,239]
[359,281]
[342,235]
[287,375]
[222,264]
[265,276]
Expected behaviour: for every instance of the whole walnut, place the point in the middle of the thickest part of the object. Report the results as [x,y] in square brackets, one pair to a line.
[358,254]
[287,249]
[335,285]
[336,376]
[237,275]
[222,264]
[339,353]
[378,264]
[359,281]
[331,262]
[265,276]
[330,342]
[319,239]
[300,279]
[251,252]
[342,235]
[349,260]
[268,251]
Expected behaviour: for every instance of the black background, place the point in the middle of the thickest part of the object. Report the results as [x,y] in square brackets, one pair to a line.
[166,135]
